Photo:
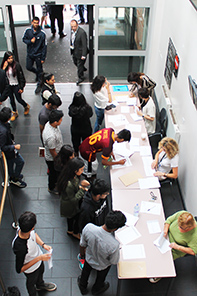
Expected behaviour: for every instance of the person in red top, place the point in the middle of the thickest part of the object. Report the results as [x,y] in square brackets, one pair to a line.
[103,140]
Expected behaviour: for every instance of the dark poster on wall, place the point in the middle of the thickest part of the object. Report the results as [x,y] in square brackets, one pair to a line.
[172,63]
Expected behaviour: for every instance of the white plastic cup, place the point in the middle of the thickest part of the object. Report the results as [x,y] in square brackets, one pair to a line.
[143,136]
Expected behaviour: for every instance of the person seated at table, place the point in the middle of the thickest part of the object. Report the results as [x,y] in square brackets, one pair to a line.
[103,140]
[166,159]
[102,95]
[139,80]
[182,231]
[148,113]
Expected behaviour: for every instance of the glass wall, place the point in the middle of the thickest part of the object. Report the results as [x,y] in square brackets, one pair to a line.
[122,40]
[3,42]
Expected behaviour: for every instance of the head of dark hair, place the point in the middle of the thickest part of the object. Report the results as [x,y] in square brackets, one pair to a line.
[46,76]
[36,18]
[97,83]
[143,93]
[13,291]
[55,115]
[5,114]
[69,172]
[78,99]
[27,221]
[8,54]
[54,100]
[125,135]
[134,77]
[99,186]
[115,220]
[63,157]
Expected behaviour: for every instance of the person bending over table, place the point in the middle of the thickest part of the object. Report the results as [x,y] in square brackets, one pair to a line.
[166,159]
[103,140]
[182,231]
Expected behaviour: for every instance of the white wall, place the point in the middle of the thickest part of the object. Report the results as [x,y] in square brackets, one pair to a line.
[177,20]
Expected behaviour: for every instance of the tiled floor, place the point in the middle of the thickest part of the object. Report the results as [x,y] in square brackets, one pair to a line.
[52,228]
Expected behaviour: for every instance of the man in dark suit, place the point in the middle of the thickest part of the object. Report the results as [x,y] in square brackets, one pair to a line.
[4,86]
[79,49]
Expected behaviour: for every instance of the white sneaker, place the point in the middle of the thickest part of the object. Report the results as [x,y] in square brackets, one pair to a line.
[154,280]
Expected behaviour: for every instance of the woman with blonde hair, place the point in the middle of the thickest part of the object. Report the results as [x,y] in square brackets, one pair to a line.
[182,231]
[166,159]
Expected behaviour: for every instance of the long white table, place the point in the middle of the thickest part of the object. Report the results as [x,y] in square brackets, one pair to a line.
[124,198]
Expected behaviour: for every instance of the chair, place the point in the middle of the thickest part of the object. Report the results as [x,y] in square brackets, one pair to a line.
[154,140]
[163,122]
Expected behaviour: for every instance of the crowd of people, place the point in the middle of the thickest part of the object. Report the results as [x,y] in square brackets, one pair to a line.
[83,201]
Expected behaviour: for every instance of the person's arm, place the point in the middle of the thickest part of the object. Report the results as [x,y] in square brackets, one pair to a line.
[172,175]
[140,113]
[3,141]
[5,89]
[108,91]
[20,77]
[44,49]
[166,228]
[41,243]
[114,257]
[26,39]
[46,94]
[156,160]
[109,163]
[185,250]
[41,128]
[84,45]
[43,257]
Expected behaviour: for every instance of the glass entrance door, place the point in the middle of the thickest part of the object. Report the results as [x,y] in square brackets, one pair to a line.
[5,43]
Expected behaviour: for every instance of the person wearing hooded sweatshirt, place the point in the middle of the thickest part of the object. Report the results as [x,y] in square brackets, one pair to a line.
[35,38]
[94,208]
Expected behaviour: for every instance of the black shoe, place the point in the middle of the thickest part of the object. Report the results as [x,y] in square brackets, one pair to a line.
[79,81]
[63,35]
[103,289]
[18,182]
[53,34]
[84,69]
[38,90]
[47,287]
[83,290]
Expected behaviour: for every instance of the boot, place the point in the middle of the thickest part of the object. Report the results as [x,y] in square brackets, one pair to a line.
[26,111]
[14,115]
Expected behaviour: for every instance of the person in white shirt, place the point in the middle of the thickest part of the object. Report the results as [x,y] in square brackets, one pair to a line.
[102,95]
[166,159]
[148,112]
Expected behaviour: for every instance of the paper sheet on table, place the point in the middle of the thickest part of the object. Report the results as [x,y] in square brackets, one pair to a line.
[134,128]
[120,166]
[132,269]
[134,142]
[133,252]
[162,243]
[121,99]
[130,178]
[147,161]
[145,151]
[131,101]
[148,183]
[136,117]
[125,109]
[153,226]
[150,207]
[118,119]
[121,149]
[127,235]
[131,219]
[50,261]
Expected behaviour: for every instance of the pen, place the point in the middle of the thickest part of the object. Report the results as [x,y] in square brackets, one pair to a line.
[150,209]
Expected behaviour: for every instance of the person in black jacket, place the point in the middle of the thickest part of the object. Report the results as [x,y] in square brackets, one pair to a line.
[47,86]
[94,208]
[79,49]
[4,86]
[35,38]
[81,128]
[17,82]
[14,159]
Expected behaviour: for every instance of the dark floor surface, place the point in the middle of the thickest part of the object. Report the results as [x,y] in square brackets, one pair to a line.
[52,228]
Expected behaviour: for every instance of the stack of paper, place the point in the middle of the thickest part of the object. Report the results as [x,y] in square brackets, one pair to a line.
[149,183]
[133,252]
[153,226]
[127,235]
[150,207]
[130,178]
[120,166]
[162,243]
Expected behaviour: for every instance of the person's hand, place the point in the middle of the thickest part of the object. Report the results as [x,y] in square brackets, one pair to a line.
[42,62]
[139,113]
[153,164]
[83,58]
[47,247]
[20,91]
[45,257]
[158,174]
[174,246]
[122,161]
[131,95]
[17,146]
[5,65]
[33,40]
[84,184]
